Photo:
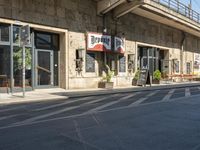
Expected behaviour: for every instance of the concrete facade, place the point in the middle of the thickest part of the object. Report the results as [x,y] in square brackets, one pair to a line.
[72,19]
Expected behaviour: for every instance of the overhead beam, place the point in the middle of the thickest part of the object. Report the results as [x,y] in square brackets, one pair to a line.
[126,8]
[105,6]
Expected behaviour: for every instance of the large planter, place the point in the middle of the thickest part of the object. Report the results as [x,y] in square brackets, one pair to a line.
[134,82]
[107,85]
[155,81]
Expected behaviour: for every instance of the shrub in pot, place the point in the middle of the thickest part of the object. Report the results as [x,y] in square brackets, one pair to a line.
[156,77]
[136,77]
[106,82]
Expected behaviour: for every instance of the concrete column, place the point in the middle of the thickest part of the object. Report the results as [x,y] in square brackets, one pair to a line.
[64,61]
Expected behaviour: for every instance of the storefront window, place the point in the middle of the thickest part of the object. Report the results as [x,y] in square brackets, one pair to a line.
[176,66]
[47,41]
[188,67]
[90,62]
[131,62]
[16,30]
[17,66]
[4,66]
[4,33]
[122,64]
[148,58]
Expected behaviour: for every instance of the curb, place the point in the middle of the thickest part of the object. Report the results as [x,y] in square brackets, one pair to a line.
[128,90]
[30,100]
[100,92]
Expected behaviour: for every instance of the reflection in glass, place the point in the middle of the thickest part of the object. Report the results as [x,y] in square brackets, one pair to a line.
[4,66]
[44,68]
[4,31]
[17,66]
[43,41]
[16,30]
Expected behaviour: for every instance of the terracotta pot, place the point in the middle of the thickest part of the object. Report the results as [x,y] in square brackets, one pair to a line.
[156,81]
[134,82]
[107,85]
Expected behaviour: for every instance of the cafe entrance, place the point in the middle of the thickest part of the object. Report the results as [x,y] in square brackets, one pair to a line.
[44,67]
[148,58]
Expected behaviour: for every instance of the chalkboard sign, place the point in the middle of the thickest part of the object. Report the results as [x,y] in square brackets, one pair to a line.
[90,62]
[122,64]
[144,78]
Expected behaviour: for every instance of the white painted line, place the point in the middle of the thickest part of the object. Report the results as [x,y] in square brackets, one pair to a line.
[60,111]
[61,104]
[198,88]
[187,92]
[7,117]
[111,103]
[142,99]
[168,96]
[10,109]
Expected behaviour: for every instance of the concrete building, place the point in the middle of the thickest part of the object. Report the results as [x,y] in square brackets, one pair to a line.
[72,40]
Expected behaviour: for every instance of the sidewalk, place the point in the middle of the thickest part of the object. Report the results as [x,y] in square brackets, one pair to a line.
[59,94]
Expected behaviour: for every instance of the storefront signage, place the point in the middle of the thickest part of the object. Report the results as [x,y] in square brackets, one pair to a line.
[98,42]
[144,78]
[119,44]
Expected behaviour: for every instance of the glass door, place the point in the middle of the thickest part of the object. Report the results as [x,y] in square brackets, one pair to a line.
[44,68]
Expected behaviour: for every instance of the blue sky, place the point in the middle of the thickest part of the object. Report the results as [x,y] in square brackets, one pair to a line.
[195,4]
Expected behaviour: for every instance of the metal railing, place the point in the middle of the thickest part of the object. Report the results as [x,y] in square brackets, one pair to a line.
[180,8]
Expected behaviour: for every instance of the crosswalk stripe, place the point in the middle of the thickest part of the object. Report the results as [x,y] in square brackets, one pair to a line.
[61,111]
[168,96]
[111,103]
[143,99]
[187,92]
[61,104]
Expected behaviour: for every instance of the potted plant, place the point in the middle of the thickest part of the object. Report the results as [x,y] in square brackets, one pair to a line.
[136,77]
[156,77]
[106,81]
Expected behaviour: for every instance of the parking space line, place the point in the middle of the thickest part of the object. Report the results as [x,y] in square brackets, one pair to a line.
[143,99]
[111,103]
[64,103]
[187,92]
[61,111]
[7,117]
[10,109]
[168,96]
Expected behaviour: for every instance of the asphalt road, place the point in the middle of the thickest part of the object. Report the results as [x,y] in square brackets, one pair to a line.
[147,120]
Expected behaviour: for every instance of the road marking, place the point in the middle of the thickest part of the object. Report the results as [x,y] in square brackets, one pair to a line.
[10,109]
[7,117]
[143,99]
[111,103]
[187,92]
[198,88]
[61,111]
[168,96]
[61,104]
